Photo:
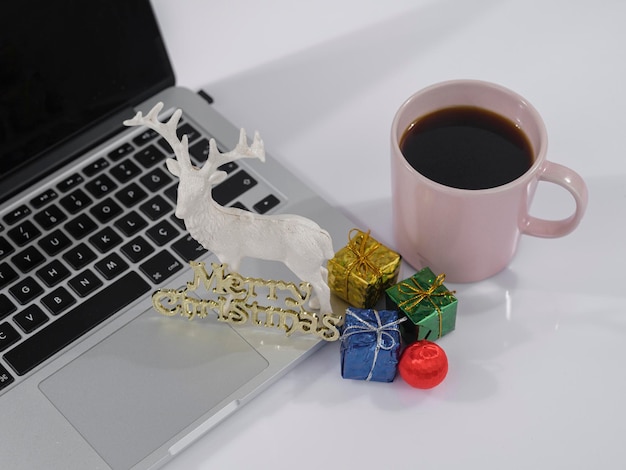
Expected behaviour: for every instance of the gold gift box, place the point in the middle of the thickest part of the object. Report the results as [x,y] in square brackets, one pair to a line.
[360,272]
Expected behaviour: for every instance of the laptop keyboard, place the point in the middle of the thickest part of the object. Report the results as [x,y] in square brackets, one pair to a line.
[79,251]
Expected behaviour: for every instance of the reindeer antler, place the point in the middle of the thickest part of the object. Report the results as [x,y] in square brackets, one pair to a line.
[181,147]
[166,130]
[216,159]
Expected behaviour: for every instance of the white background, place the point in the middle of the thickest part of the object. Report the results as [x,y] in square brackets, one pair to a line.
[536,374]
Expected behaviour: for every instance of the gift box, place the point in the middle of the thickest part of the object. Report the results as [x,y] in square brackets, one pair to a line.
[360,272]
[370,344]
[427,303]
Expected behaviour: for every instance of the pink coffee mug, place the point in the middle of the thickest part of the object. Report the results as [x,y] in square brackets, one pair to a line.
[473,234]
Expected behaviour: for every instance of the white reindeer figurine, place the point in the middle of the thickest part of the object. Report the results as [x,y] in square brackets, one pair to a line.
[231,233]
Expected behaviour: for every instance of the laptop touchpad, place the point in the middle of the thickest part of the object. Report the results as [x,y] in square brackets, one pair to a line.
[134,391]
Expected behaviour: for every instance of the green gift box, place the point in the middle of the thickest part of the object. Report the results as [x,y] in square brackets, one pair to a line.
[426,302]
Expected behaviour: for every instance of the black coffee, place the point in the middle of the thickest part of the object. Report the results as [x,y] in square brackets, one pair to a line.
[467,147]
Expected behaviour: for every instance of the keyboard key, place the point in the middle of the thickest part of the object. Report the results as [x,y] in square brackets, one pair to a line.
[7,274]
[162,233]
[6,306]
[26,290]
[44,198]
[28,259]
[131,195]
[54,242]
[31,318]
[131,223]
[233,187]
[167,148]
[5,378]
[70,182]
[58,300]
[75,201]
[53,273]
[149,156]
[24,233]
[188,248]
[183,129]
[155,180]
[81,226]
[50,217]
[161,266]
[96,167]
[16,214]
[125,171]
[137,249]
[200,150]
[105,239]
[155,208]
[178,222]
[266,204]
[172,193]
[239,205]
[75,323]
[111,266]
[145,137]
[85,283]
[5,247]
[188,130]
[228,167]
[79,256]
[8,335]
[106,210]
[121,152]
[101,186]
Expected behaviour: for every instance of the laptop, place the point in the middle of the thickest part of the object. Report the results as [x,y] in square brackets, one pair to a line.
[91,376]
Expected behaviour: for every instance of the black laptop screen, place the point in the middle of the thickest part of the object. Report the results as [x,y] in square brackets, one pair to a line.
[67,64]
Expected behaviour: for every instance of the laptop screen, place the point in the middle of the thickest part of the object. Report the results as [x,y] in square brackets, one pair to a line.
[66,65]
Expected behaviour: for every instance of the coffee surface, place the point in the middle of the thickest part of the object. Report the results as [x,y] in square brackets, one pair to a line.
[467,147]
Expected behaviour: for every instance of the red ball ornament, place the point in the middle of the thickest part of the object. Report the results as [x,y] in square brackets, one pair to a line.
[423,364]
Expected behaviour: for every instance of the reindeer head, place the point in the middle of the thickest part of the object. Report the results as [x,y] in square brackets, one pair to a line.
[195,183]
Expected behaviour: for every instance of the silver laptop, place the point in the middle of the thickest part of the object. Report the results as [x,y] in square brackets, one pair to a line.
[91,376]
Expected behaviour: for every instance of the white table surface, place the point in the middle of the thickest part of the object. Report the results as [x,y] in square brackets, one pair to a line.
[537,363]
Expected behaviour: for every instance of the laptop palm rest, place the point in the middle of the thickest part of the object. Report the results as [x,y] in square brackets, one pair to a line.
[135,390]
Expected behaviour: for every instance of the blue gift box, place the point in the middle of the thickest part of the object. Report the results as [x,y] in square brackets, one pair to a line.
[370,344]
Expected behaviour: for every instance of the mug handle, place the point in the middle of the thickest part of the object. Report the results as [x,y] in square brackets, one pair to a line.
[572,182]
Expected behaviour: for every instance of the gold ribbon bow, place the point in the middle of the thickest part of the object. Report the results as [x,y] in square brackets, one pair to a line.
[361,261]
[418,294]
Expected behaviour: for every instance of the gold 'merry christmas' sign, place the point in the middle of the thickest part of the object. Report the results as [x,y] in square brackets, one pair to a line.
[239,300]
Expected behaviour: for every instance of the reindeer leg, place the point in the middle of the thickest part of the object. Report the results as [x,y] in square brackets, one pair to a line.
[234,264]
[324,299]
[325,292]
[321,293]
